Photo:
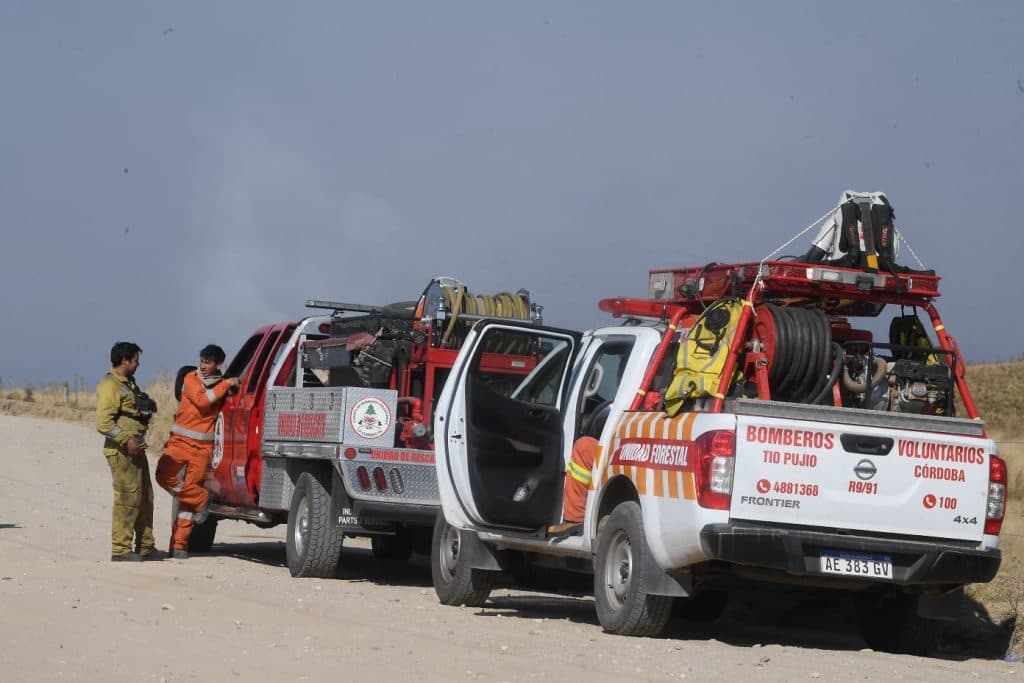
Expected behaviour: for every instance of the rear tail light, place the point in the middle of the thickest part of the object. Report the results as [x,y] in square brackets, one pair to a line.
[715,465]
[382,481]
[996,506]
[397,483]
[364,478]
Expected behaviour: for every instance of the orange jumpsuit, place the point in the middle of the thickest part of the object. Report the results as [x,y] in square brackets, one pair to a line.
[577,478]
[181,470]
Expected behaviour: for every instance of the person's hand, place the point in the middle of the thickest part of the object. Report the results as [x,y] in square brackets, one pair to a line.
[233,382]
[133,446]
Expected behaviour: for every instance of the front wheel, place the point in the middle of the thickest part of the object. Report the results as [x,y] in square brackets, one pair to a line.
[455,582]
[393,548]
[313,543]
[624,606]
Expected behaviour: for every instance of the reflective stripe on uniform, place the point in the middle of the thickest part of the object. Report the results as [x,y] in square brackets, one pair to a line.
[580,474]
[187,516]
[210,396]
[181,480]
[191,433]
[113,432]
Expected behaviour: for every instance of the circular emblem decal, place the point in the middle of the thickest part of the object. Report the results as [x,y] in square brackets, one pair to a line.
[370,417]
[218,442]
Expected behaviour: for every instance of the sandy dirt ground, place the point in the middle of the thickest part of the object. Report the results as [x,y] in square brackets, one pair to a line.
[68,614]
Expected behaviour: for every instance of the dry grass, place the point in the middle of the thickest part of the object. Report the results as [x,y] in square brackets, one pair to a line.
[998,390]
[73,401]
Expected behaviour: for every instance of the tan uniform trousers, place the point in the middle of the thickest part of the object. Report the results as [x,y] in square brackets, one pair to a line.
[133,502]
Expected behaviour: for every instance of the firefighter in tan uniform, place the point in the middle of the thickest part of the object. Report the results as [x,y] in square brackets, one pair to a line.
[122,415]
[181,470]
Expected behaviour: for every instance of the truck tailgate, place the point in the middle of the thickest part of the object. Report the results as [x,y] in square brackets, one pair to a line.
[860,477]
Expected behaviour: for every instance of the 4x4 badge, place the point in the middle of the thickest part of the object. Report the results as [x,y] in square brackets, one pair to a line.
[865,469]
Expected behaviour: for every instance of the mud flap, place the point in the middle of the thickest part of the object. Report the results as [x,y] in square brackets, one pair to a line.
[341,504]
[678,584]
[478,554]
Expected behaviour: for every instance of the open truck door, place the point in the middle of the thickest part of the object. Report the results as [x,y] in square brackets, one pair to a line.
[499,430]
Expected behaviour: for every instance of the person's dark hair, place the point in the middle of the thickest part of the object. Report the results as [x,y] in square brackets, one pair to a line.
[122,351]
[212,352]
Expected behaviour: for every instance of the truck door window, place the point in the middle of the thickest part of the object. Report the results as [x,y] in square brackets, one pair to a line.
[284,373]
[241,360]
[542,385]
[602,384]
[261,362]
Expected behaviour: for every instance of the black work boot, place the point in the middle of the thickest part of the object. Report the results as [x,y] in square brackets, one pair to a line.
[179,554]
[126,557]
[153,555]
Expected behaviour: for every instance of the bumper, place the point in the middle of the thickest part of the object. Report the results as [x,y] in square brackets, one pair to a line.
[798,552]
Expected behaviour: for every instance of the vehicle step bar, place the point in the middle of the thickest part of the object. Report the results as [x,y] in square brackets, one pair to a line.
[247,514]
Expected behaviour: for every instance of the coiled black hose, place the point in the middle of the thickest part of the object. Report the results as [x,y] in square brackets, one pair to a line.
[799,367]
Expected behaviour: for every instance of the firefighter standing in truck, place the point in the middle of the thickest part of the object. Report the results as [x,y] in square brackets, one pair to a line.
[181,470]
[122,416]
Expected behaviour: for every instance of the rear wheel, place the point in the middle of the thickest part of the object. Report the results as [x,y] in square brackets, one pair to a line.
[201,539]
[394,548]
[313,543]
[704,607]
[891,624]
[624,606]
[455,582]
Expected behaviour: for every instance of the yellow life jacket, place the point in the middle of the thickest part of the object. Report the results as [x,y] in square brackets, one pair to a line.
[908,330]
[702,355]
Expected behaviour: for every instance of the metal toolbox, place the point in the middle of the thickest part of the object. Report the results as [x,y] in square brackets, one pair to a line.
[351,415]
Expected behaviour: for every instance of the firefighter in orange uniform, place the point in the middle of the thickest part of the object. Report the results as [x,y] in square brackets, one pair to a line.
[181,470]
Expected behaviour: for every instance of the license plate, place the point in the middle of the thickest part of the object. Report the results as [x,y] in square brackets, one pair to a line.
[857,564]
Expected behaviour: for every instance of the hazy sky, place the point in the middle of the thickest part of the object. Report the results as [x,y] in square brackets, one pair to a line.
[180,173]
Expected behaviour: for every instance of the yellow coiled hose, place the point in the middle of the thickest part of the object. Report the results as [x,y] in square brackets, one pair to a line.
[458,300]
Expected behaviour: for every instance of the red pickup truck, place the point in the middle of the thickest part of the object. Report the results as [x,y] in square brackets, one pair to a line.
[330,430]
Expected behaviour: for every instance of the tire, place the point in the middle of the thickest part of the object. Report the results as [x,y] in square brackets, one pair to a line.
[702,608]
[891,624]
[624,606]
[455,582]
[422,539]
[395,548]
[201,540]
[313,543]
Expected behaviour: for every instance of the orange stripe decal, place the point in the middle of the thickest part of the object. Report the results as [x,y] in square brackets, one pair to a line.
[688,426]
[673,484]
[659,483]
[689,489]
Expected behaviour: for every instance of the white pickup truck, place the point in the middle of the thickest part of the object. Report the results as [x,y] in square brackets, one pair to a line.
[824,457]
